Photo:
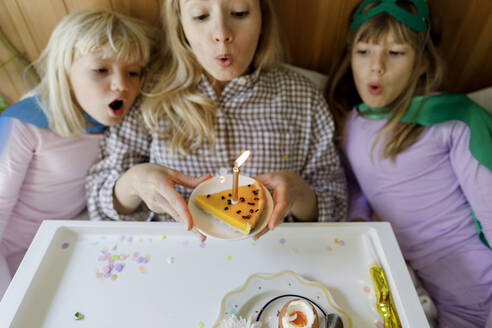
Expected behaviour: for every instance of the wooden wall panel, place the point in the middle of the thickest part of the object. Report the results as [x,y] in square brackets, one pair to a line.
[8,86]
[466,42]
[13,80]
[23,40]
[41,18]
[74,5]
[147,10]
[314,32]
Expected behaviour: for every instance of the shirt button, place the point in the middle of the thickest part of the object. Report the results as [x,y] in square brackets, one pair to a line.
[241,80]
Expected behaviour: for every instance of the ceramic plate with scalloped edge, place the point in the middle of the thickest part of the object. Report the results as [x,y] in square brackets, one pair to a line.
[262,296]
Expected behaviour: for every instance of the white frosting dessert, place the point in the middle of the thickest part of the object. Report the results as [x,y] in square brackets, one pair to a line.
[298,313]
[239,322]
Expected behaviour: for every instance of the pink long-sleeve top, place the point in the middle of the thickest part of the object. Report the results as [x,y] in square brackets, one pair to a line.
[42,176]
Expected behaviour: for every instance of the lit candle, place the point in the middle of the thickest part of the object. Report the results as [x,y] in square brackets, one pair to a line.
[235,179]
[235,175]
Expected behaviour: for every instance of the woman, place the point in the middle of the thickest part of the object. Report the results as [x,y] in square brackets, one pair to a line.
[221,91]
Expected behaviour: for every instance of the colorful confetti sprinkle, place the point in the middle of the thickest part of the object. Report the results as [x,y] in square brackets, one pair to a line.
[229,258]
[78,316]
[367,289]
[282,241]
[162,237]
[142,269]
[203,245]
[119,267]
[65,245]
[201,324]
[339,241]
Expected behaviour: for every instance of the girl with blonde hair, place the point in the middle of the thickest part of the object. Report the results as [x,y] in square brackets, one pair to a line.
[221,90]
[416,156]
[92,69]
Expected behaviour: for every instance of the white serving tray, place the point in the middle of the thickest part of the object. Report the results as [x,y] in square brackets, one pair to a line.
[176,281]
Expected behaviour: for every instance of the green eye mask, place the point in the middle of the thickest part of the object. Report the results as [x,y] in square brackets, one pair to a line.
[416,22]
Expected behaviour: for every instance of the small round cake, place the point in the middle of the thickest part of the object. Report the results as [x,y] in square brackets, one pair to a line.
[298,313]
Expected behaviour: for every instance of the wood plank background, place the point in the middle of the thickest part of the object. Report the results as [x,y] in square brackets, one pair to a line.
[313,31]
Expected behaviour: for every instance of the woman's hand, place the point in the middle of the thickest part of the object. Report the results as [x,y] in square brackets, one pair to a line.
[290,193]
[154,185]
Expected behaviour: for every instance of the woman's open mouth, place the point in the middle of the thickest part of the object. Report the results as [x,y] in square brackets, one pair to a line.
[224,60]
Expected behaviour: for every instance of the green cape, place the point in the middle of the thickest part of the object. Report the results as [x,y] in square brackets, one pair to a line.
[429,110]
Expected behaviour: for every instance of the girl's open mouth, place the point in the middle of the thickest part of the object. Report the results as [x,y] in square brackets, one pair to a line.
[117,107]
[375,88]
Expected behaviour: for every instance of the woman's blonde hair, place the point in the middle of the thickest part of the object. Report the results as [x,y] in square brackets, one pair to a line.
[110,34]
[175,98]
[342,93]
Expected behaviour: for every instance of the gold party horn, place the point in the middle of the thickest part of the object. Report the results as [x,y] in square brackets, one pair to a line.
[384,300]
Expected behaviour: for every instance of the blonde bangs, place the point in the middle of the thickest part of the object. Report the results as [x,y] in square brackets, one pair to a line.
[113,38]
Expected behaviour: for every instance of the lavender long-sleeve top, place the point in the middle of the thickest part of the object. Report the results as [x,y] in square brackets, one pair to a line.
[427,194]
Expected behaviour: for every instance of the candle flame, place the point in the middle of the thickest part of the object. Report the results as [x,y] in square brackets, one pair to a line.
[242,158]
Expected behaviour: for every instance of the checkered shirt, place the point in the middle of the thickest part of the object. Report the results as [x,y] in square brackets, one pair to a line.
[280,116]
